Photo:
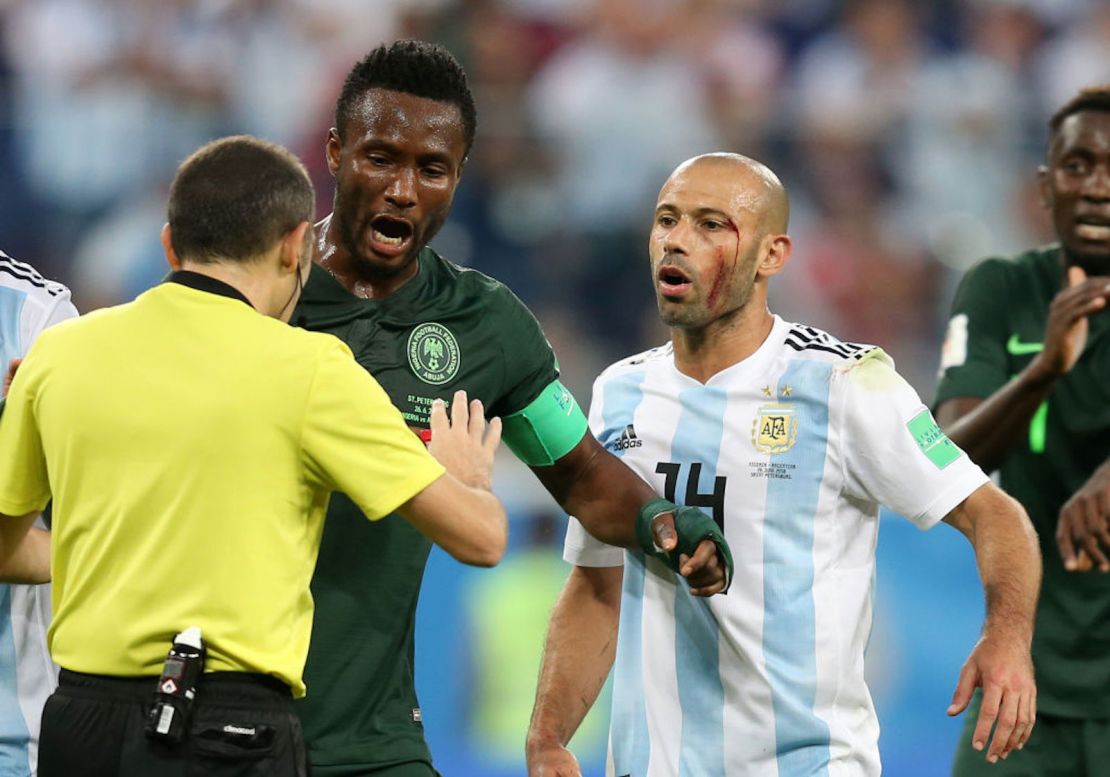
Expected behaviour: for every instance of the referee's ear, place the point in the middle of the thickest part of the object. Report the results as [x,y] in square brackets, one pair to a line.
[167,246]
[294,247]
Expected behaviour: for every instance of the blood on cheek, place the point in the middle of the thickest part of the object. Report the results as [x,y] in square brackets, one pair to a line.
[725,269]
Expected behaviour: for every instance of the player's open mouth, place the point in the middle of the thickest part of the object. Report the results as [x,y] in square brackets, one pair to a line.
[390,235]
[1093,227]
[673,282]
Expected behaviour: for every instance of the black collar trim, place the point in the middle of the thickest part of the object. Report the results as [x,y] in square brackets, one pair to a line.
[202,282]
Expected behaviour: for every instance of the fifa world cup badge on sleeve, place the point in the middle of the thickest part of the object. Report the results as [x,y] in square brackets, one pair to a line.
[932,441]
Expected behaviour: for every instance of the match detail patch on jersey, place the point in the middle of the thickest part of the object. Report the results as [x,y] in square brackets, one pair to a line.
[774,428]
[433,353]
[932,441]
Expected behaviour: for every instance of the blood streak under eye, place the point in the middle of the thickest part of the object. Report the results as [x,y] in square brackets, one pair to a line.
[724,272]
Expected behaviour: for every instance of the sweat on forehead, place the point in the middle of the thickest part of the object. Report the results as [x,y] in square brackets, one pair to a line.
[763,188]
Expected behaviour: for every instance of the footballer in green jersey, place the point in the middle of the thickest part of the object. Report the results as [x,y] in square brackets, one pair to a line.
[1025,389]
[405,121]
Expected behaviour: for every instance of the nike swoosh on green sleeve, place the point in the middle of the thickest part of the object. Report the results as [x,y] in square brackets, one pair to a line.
[1015,347]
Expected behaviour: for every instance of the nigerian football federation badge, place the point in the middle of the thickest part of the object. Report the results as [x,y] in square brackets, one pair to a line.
[433,353]
[775,428]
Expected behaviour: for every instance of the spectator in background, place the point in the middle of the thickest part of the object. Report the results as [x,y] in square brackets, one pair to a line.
[596,108]
[29,304]
[967,134]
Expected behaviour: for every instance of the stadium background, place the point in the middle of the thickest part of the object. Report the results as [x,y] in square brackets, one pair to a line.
[906,132]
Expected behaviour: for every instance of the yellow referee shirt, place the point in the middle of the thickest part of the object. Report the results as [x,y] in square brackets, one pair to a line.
[190,445]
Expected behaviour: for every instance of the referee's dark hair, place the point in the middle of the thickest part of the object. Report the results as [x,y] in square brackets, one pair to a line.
[414,67]
[1093,98]
[234,198]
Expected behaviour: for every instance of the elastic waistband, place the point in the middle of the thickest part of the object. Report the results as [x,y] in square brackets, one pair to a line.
[212,686]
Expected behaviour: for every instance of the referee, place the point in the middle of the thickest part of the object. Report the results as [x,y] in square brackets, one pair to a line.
[190,441]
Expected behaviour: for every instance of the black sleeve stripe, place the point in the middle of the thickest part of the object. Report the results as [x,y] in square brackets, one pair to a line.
[26,272]
[802,338]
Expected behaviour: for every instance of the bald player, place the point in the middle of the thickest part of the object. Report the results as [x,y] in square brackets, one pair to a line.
[793,439]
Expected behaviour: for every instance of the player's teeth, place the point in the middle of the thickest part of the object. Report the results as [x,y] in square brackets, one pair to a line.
[393,241]
[1093,231]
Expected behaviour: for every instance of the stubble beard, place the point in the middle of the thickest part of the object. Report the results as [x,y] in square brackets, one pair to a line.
[695,316]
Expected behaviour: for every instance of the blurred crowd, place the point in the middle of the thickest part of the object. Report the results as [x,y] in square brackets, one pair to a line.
[907,134]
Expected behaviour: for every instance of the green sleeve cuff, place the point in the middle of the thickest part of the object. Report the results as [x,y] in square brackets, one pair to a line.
[547,429]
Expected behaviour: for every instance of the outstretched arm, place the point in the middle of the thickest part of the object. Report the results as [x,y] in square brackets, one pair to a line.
[605,495]
[1009,562]
[581,644]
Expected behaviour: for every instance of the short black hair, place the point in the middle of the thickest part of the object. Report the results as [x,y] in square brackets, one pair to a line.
[1093,98]
[414,67]
[234,198]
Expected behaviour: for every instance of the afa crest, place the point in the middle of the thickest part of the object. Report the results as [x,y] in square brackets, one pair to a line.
[775,428]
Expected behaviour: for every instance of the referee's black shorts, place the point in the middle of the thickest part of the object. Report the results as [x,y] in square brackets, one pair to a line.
[242,725]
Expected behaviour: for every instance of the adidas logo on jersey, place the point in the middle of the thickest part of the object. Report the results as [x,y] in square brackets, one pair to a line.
[628,439]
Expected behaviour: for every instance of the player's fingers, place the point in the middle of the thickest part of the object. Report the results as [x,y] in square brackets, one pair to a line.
[493,435]
[1076,275]
[709,575]
[459,410]
[1007,726]
[477,422]
[1089,521]
[1091,546]
[9,376]
[1025,722]
[1102,508]
[437,420]
[705,553]
[706,591]
[1032,701]
[965,686]
[1064,539]
[663,531]
[988,714]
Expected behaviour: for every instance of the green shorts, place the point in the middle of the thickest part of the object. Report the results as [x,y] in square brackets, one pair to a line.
[1058,747]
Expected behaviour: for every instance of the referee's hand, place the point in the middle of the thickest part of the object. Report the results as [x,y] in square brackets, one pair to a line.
[465,444]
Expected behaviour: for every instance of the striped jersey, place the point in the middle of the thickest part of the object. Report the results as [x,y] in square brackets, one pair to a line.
[792,450]
[29,304]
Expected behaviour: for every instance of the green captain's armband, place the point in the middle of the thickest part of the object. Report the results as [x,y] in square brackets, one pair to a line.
[547,429]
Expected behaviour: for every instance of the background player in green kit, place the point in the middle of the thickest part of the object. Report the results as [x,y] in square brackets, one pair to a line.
[424,327]
[1026,390]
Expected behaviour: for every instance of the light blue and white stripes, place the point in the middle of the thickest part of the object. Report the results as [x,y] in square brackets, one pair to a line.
[789,619]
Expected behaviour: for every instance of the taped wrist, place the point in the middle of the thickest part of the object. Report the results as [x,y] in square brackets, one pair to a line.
[691,527]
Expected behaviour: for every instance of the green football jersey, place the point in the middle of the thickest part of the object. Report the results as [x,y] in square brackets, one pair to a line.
[447,328]
[997,327]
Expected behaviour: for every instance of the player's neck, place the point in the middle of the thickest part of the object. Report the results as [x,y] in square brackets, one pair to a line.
[702,353]
[352,274]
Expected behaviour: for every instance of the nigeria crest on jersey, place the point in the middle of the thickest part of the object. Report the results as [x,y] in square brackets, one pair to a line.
[775,428]
[433,353]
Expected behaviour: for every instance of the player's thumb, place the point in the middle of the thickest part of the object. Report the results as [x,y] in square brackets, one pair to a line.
[965,686]
[1076,275]
[662,528]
